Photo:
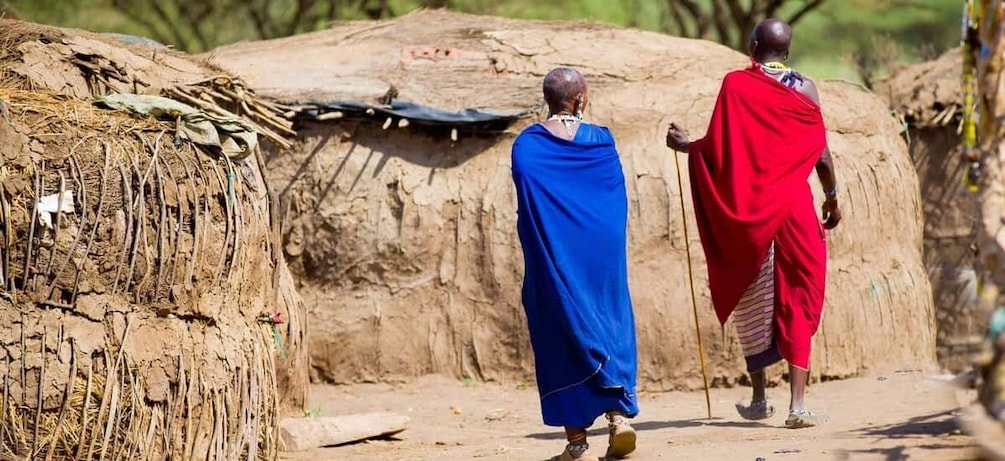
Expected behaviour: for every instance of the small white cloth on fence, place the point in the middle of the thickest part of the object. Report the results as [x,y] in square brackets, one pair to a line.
[50,204]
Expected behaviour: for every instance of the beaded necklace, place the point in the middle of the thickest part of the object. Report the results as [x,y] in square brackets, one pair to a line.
[566,120]
[776,66]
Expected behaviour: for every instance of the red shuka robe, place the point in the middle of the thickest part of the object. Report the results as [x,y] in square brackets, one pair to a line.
[749,184]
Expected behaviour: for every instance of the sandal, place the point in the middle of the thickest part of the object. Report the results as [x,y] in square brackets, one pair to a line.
[621,442]
[802,419]
[756,411]
[576,452]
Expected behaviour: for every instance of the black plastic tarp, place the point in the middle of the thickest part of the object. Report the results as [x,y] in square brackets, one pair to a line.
[418,116]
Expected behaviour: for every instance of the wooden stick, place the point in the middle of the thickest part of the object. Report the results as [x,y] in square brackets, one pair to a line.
[6,390]
[56,435]
[5,251]
[82,188]
[84,418]
[229,227]
[218,111]
[232,186]
[201,422]
[690,277]
[8,281]
[24,367]
[188,446]
[40,401]
[147,447]
[195,195]
[162,226]
[329,116]
[31,231]
[140,233]
[127,203]
[106,401]
[56,223]
[175,229]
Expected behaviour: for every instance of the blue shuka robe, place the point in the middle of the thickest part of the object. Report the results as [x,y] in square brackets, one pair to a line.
[572,223]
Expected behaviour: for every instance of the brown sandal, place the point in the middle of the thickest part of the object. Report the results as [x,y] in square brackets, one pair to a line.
[803,419]
[621,442]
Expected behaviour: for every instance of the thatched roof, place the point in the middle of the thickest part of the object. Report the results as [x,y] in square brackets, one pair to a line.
[929,93]
[83,65]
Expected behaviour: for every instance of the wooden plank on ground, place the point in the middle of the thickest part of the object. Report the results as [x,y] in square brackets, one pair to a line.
[299,434]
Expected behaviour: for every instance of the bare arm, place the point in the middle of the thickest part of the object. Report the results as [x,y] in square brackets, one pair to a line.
[825,165]
[825,171]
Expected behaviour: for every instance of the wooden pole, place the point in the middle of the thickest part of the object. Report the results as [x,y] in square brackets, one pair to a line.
[690,277]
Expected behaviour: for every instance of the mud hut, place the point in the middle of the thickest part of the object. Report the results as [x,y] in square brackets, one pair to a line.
[400,220]
[141,283]
[928,98]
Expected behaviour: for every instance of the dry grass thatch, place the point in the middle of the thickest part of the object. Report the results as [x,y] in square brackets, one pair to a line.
[929,94]
[133,324]
[116,163]
[103,414]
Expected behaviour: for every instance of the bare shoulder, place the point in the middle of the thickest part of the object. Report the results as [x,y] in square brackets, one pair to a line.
[808,88]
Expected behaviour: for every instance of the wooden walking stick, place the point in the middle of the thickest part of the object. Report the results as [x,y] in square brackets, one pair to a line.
[690,278]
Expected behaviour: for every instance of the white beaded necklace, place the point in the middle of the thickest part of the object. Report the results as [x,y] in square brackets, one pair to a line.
[567,120]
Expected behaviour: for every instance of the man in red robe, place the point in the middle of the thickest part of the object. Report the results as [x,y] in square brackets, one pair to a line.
[764,243]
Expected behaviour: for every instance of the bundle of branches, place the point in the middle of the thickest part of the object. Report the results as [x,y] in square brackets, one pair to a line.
[107,76]
[230,97]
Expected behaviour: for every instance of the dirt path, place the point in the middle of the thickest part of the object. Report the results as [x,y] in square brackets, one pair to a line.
[893,417]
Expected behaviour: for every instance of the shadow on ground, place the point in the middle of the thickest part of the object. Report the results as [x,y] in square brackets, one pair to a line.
[929,427]
[654,426]
[899,453]
[936,424]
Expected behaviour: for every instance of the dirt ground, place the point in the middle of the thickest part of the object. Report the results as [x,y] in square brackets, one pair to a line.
[897,416]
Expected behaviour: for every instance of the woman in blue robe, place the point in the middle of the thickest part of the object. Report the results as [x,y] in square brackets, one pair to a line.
[572,223]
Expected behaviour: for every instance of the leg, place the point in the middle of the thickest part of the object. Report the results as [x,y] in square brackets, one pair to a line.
[801,255]
[800,275]
[759,407]
[799,416]
[759,382]
[577,449]
[575,435]
[797,387]
[576,409]
[754,319]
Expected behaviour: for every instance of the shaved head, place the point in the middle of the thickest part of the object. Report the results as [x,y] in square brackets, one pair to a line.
[770,40]
[564,90]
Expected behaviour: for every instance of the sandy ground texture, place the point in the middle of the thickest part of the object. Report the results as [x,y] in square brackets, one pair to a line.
[896,416]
